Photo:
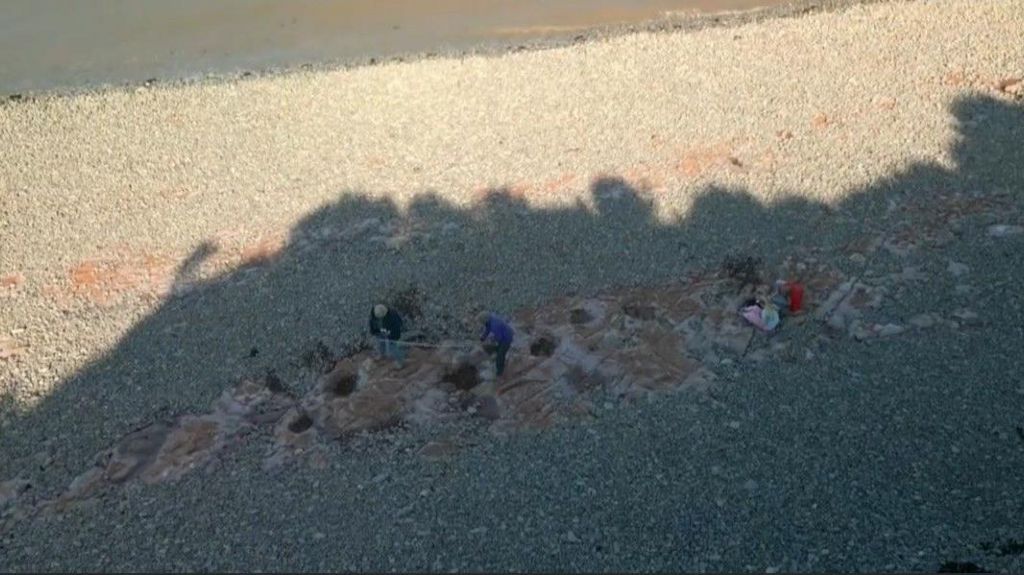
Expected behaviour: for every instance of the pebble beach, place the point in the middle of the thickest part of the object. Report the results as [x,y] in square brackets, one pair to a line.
[162,242]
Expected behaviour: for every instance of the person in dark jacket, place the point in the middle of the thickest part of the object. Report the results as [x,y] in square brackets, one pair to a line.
[498,329]
[386,326]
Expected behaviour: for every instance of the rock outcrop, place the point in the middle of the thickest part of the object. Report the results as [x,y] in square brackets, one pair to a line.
[619,346]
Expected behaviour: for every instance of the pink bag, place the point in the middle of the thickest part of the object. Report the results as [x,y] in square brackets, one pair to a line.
[764,319]
[752,314]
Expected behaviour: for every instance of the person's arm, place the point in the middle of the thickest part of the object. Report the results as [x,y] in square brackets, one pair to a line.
[374,329]
[395,326]
[487,330]
[509,333]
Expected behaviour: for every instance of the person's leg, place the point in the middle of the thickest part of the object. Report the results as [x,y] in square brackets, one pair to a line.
[399,352]
[382,346]
[500,360]
[782,303]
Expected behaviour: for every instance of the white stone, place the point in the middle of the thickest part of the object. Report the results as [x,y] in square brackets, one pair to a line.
[1004,230]
[859,331]
[923,321]
[889,330]
[957,269]
[966,316]
[837,322]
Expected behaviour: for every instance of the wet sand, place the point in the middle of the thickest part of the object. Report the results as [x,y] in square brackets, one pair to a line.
[50,44]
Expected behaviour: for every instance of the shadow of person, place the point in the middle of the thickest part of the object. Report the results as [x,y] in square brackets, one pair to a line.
[499,253]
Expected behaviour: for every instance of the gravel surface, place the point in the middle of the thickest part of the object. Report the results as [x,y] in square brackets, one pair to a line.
[155,239]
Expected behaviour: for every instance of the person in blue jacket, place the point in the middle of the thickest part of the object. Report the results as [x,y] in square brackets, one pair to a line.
[498,329]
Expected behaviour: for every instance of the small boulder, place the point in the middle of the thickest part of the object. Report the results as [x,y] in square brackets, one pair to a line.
[85,485]
[889,330]
[957,269]
[488,408]
[922,320]
[135,451]
[1004,230]
[837,322]
[11,490]
[1012,86]
[963,289]
[967,317]
[12,280]
[860,332]
[10,348]
[190,444]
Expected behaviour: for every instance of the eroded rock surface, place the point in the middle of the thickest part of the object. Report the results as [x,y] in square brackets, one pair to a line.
[568,355]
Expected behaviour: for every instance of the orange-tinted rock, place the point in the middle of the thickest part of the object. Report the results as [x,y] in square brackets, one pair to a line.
[263,252]
[957,79]
[886,103]
[1014,86]
[556,185]
[191,443]
[85,274]
[10,348]
[629,344]
[167,451]
[11,280]
[134,452]
[697,161]
[104,280]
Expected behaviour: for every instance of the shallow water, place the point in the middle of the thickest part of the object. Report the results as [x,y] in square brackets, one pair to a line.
[48,44]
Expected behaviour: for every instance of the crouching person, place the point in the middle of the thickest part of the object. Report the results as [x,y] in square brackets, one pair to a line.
[386,326]
[788,297]
[497,329]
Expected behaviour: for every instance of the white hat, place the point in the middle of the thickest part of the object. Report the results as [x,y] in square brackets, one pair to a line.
[380,310]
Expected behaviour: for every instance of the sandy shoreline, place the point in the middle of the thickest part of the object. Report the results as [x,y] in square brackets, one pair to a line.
[503,42]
